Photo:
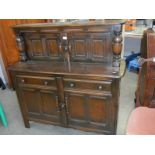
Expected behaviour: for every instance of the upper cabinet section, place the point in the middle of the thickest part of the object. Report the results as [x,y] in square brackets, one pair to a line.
[93,41]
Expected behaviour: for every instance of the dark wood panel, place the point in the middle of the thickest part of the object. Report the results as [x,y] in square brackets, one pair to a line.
[101,114]
[90,46]
[41,104]
[88,111]
[43,46]
[76,110]
[32,101]
[50,106]
[79,46]
[100,47]
[52,47]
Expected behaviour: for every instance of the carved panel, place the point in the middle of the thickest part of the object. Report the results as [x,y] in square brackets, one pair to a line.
[52,47]
[100,47]
[99,112]
[91,46]
[40,104]
[97,109]
[31,100]
[49,104]
[37,47]
[43,46]
[79,46]
[89,111]
[76,107]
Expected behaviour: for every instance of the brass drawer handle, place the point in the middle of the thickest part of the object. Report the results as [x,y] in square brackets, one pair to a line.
[45,83]
[100,87]
[72,85]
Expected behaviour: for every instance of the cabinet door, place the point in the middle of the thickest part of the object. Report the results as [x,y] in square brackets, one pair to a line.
[43,46]
[93,113]
[41,105]
[90,46]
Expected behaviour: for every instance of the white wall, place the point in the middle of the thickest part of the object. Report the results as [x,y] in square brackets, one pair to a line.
[3,74]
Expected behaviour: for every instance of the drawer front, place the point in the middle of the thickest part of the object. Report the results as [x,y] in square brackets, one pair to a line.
[93,85]
[35,80]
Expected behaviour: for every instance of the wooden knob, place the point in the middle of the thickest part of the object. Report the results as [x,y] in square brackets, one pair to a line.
[23,81]
[100,87]
[45,83]
[72,84]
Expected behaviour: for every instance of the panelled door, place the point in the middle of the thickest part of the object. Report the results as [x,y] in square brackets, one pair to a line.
[87,111]
[43,46]
[90,46]
[41,104]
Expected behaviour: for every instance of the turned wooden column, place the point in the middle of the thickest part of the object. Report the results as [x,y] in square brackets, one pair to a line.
[117,45]
[21,47]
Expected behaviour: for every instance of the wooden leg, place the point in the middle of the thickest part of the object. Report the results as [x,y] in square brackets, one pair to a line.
[27,124]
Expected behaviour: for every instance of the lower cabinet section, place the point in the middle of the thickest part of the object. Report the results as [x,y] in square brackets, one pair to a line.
[92,113]
[77,106]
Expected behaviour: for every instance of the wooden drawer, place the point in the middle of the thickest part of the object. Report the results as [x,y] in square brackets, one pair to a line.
[34,80]
[93,85]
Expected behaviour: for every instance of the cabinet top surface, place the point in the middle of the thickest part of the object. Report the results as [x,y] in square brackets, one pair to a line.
[71,24]
[81,69]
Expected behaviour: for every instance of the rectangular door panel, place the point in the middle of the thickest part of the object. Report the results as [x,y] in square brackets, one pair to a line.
[89,112]
[100,47]
[99,109]
[31,99]
[49,103]
[76,110]
[78,43]
[43,46]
